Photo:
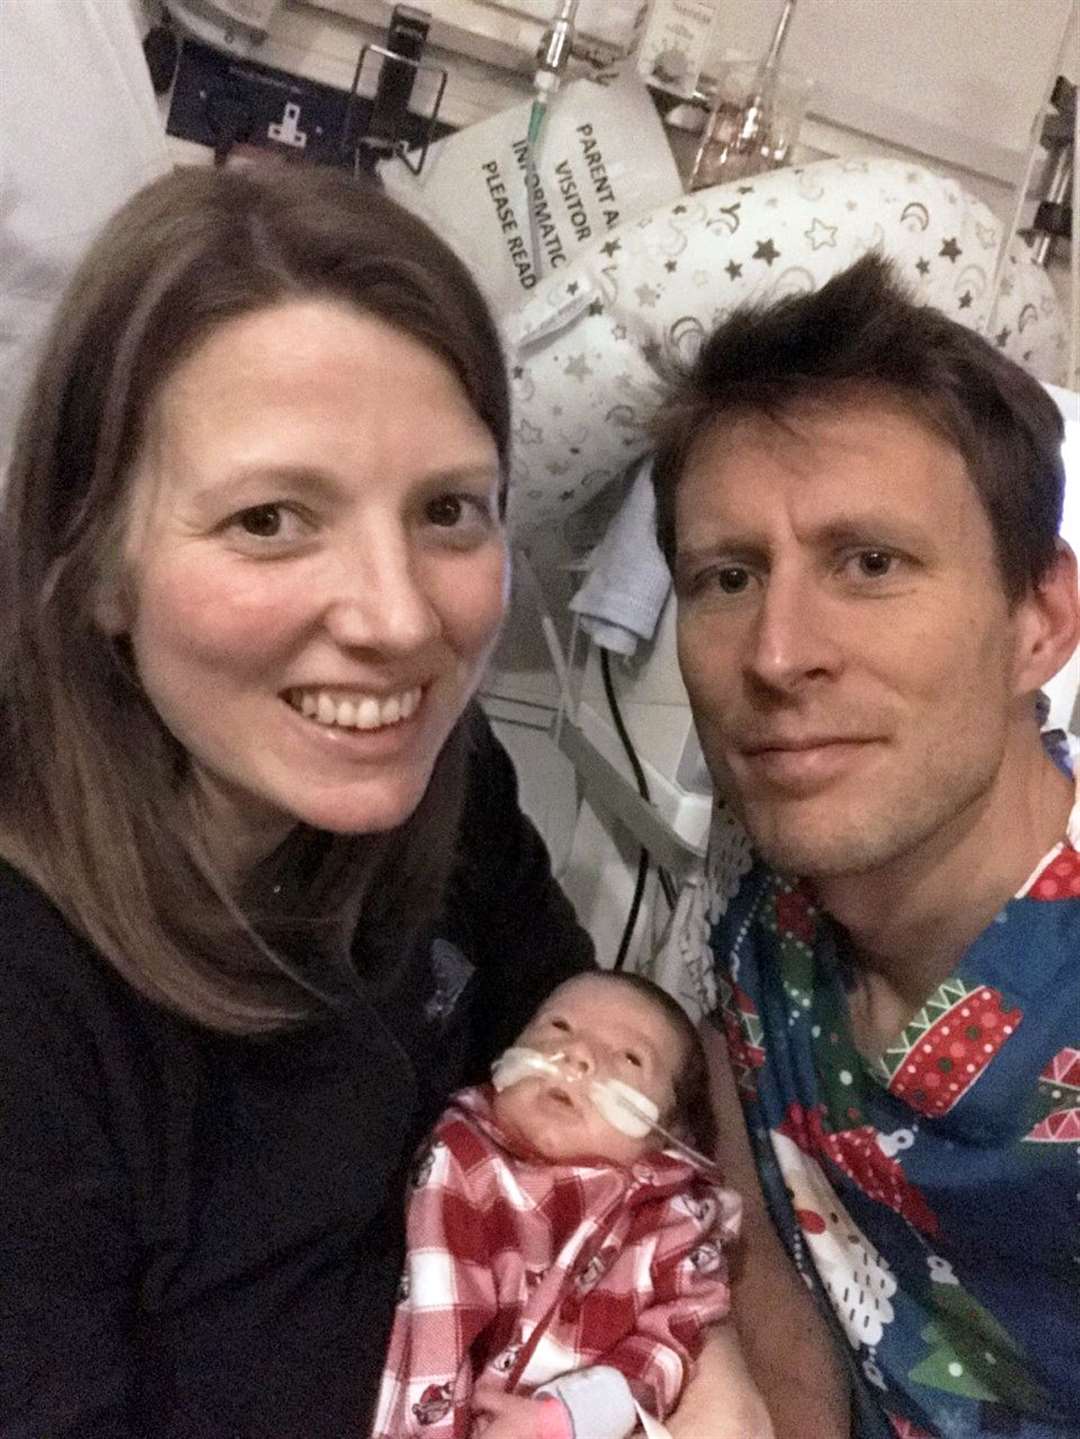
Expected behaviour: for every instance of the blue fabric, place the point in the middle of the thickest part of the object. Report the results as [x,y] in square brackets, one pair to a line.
[932,1200]
[598,1399]
[622,598]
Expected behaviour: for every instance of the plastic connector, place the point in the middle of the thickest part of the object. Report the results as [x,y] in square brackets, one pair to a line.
[231,120]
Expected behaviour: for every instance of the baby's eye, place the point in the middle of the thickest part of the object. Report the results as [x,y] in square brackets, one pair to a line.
[560,1024]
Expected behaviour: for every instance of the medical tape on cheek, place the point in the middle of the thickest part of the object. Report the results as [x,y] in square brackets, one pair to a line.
[518,1063]
[620,1105]
[624,1108]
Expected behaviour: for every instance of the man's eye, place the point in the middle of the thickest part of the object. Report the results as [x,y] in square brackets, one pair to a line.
[875,563]
[261,520]
[732,579]
[447,510]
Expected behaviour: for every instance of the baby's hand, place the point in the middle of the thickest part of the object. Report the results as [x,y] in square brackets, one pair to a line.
[505,1416]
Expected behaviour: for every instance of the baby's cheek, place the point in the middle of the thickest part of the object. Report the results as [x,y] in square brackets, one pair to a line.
[504,1106]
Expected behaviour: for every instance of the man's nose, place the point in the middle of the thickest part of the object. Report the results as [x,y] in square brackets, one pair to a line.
[377,598]
[795,637]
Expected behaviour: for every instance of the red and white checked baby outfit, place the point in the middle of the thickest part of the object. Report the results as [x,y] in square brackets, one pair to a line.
[520,1270]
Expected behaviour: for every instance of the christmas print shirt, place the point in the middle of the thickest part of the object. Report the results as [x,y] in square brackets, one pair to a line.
[931,1198]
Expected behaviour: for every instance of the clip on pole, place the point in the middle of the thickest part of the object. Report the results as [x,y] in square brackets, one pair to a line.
[390,121]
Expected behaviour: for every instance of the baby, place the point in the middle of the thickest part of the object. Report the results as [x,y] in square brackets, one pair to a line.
[566,1234]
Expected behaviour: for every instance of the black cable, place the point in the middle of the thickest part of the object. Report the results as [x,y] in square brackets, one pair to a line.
[666,882]
[635,906]
[620,727]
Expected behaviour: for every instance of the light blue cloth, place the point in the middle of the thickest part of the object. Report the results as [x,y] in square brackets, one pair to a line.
[628,581]
[599,1400]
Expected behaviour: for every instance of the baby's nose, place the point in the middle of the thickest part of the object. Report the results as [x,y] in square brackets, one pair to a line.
[580,1060]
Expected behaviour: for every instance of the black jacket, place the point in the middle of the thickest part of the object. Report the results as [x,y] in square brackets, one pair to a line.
[201,1235]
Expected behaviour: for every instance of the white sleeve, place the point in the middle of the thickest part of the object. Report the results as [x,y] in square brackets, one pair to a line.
[79,133]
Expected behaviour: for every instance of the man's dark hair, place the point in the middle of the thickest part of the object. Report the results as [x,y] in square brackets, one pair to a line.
[693,1107]
[863,337]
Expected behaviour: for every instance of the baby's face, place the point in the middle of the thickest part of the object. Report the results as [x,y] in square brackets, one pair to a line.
[603,1030]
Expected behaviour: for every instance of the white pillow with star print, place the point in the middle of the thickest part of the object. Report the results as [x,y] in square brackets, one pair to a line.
[587,346]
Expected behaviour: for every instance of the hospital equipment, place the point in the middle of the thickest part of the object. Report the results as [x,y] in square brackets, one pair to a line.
[384,133]
[754,121]
[625,1109]
[240,26]
[1055,216]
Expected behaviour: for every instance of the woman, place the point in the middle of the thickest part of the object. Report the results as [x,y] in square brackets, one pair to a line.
[265,892]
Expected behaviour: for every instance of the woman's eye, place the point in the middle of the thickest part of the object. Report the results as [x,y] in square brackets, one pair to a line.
[274,521]
[271,528]
[470,515]
[263,521]
[452,511]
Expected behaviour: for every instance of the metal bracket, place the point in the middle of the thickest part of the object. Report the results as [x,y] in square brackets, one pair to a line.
[1054,218]
[387,134]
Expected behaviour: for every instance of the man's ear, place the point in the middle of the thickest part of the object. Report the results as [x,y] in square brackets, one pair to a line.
[1048,624]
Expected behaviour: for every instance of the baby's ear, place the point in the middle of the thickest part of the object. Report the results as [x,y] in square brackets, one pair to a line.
[695,1124]
[674,1121]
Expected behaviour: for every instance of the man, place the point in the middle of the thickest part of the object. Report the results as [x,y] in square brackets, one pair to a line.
[860,502]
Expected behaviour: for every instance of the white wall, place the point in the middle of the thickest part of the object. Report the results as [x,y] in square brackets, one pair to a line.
[956,79]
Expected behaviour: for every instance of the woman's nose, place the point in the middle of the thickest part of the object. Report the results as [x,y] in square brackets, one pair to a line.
[378,599]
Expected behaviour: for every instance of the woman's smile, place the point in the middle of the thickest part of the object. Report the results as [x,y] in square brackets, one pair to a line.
[333,544]
[355,709]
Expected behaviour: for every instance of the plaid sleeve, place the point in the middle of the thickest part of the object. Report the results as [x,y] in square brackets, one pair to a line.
[447,1292]
[688,1291]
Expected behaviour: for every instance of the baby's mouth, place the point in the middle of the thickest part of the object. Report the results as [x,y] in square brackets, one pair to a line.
[562,1097]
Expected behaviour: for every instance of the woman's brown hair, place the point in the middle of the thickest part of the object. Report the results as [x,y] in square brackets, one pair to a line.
[90,779]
